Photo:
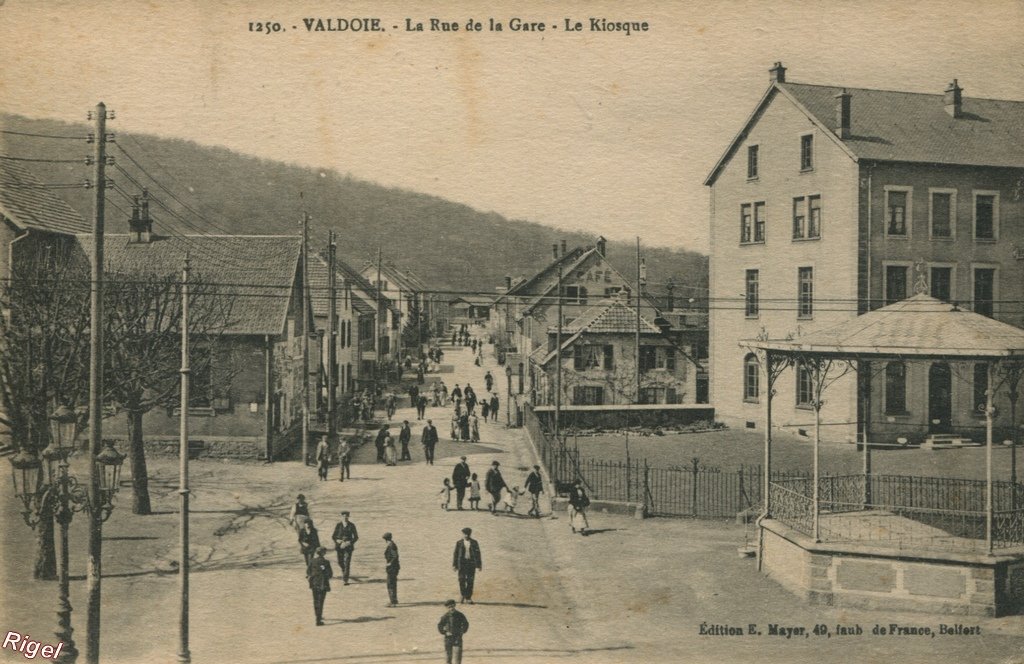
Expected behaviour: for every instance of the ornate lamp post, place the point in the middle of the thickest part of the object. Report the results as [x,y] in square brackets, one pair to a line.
[62,496]
[508,394]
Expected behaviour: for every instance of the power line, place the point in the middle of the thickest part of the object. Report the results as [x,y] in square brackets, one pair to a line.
[83,160]
[25,133]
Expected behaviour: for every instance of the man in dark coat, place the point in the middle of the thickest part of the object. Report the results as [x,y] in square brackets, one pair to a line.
[345,537]
[470,395]
[381,437]
[464,427]
[494,483]
[466,561]
[457,392]
[488,381]
[535,485]
[319,573]
[429,440]
[404,436]
[460,480]
[391,567]
[309,541]
[421,407]
[494,406]
[453,625]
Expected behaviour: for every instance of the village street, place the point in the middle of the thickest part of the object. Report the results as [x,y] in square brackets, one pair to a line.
[634,591]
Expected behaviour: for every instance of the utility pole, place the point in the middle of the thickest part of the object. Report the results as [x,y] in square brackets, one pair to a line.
[558,358]
[380,358]
[305,338]
[332,325]
[268,386]
[95,563]
[638,290]
[184,655]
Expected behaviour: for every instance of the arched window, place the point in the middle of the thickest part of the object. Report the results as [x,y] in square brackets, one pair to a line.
[895,387]
[751,378]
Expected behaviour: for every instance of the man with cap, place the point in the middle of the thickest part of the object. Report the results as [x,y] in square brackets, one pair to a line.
[466,561]
[345,538]
[535,485]
[323,458]
[453,625]
[494,483]
[460,479]
[429,440]
[391,567]
[299,513]
[319,573]
[404,436]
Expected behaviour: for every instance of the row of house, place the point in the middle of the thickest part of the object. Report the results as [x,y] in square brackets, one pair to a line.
[252,392]
[833,201]
[603,315]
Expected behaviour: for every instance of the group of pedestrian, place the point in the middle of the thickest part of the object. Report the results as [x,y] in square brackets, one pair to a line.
[385,444]
[323,458]
[463,479]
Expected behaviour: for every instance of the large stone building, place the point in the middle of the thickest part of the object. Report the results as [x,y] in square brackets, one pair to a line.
[833,201]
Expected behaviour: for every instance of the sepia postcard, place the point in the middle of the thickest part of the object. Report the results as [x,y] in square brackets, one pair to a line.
[453,331]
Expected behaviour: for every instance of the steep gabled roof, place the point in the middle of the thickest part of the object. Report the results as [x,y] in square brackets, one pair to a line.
[251,276]
[608,317]
[527,286]
[888,125]
[358,281]
[28,204]
[319,282]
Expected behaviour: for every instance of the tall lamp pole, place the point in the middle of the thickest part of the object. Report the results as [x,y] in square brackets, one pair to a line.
[183,568]
[508,395]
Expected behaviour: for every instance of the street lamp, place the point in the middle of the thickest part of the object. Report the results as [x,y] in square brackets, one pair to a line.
[62,496]
[508,394]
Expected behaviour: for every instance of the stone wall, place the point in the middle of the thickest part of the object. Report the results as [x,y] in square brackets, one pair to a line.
[615,417]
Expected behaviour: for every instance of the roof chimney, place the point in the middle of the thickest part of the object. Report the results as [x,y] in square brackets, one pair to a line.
[140,226]
[602,245]
[778,73]
[563,247]
[554,250]
[843,114]
[508,283]
[953,99]
[643,275]
[670,287]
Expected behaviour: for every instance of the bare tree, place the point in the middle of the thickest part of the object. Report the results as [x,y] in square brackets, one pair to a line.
[44,337]
[143,353]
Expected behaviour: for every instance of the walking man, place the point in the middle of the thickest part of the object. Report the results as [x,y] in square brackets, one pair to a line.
[299,513]
[494,406]
[309,541]
[460,479]
[466,562]
[391,567]
[429,440]
[381,436]
[453,625]
[345,461]
[404,436]
[319,573]
[345,537]
[421,407]
[578,504]
[535,485]
[494,483]
[323,458]
[488,381]
[389,404]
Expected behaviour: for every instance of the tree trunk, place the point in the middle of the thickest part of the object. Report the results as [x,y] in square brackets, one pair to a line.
[46,558]
[137,458]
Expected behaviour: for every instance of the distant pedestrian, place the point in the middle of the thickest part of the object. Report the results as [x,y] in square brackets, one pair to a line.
[379,443]
[319,574]
[389,404]
[390,455]
[414,395]
[460,480]
[494,406]
[445,494]
[467,562]
[453,338]
[512,499]
[474,492]
[485,408]
[474,428]
[429,441]
[309,541]
[323,458]
[404,436]
[345,461]
[578,504]
[345,537]
[494,483]
[535,486]
[436,394]
[456,392]
[391,567]
[455,424]
[444,394]
[488,381]
[453,625]
[421,407]
[464,427]
[299,513]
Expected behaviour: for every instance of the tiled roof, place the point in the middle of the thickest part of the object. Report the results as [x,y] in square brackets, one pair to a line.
[610,316]
[319,284]
[887,125]
[358,281]
[25,201]
[918,326]
[908,126]
[529,286]
[251,275]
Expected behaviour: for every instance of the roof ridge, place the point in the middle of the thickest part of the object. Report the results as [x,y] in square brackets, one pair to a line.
[904,92]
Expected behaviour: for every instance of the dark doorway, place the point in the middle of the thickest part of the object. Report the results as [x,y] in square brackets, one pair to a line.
[940,401]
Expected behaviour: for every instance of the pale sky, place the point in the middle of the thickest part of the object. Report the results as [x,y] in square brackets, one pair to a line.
[598,132]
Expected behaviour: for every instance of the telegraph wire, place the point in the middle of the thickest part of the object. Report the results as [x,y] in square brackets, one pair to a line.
[25,133]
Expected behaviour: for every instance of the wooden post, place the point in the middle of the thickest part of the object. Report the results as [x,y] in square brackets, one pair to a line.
[305,338]
[817,442]
[865,381]
[558,358]
[767,433]
[183,491]
[332,341]
[268,388]
[989,410]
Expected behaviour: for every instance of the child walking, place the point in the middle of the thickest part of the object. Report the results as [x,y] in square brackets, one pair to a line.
[512,499]
[474,493]
[446,494]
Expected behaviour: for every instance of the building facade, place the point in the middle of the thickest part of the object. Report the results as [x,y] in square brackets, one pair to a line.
[834,201]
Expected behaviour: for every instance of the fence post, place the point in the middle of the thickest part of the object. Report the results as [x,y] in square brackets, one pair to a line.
[648,499]
[743,493]
[693,488]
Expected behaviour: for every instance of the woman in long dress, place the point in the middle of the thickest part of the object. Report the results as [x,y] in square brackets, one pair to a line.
[474,428]
[389,450]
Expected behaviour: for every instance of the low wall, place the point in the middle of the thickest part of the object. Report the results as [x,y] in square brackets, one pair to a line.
[220,447]
[612,417]
[882,579]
